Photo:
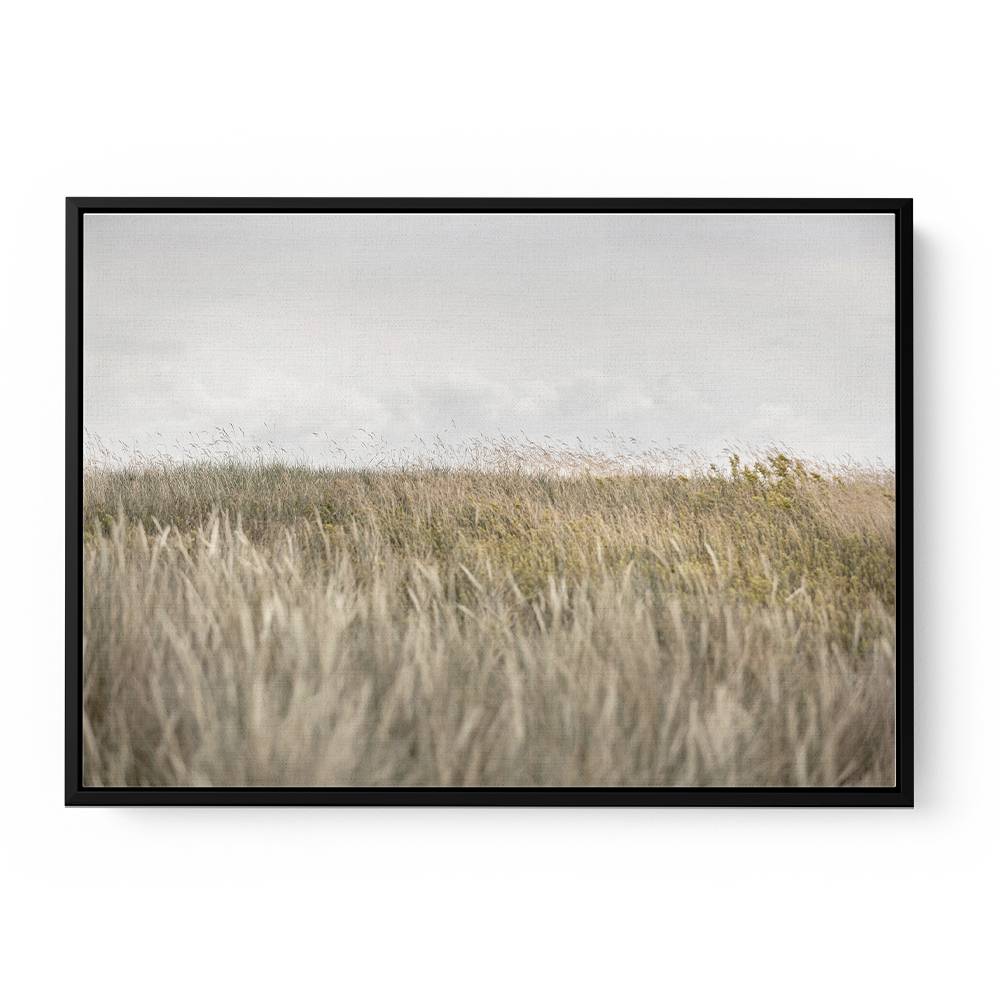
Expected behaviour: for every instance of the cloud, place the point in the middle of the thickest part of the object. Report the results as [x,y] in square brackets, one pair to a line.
[682,330]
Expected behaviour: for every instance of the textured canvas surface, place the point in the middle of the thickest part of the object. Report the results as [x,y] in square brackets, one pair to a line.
[488,500]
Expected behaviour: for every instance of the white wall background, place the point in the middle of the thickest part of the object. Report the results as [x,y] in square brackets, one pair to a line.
[509,99]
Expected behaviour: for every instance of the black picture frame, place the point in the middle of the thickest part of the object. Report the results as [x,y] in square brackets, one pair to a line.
[900,795]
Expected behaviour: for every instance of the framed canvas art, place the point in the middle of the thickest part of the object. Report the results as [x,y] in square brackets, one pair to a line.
[489,501]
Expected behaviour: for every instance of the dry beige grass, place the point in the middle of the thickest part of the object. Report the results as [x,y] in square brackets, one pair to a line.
[249,623]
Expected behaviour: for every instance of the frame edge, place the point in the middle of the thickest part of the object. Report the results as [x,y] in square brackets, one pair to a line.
[901,795]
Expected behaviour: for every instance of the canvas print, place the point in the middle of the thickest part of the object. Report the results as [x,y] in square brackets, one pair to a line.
[418,499]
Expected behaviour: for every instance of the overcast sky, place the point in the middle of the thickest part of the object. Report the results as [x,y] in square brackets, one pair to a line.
[691,331]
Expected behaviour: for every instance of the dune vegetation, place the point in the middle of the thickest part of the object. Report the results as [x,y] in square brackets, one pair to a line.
[251,622]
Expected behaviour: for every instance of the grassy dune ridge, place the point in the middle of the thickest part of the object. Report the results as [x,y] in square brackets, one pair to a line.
[253,623]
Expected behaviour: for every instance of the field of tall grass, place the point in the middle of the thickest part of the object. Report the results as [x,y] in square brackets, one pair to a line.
[248,622]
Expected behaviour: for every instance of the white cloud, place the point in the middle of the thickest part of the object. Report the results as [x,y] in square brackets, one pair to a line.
[685,330]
